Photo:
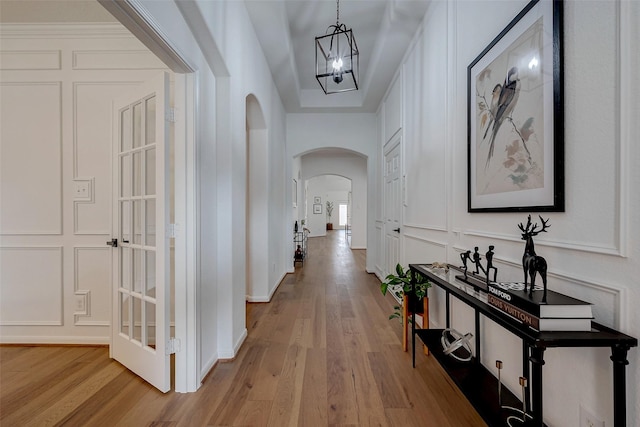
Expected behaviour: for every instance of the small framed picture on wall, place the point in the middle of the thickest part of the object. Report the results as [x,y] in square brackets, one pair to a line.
[317,208]
[317,200]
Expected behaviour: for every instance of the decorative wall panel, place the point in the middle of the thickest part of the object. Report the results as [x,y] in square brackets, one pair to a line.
[30,60]
[116,60]
[31,164]
[31,286]
[92,151]
[425,103]
[92,282]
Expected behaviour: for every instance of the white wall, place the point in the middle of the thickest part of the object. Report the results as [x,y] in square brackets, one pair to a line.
[227,40]
[589,248]
[58,82]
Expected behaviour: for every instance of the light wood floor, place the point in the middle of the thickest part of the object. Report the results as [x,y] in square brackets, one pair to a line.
[321,353]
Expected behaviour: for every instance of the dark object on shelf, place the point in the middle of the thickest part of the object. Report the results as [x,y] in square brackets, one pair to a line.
[557,304]
[300,244]
[532,263]
[476,261]
[541,323]
[480,386]
[465,257]
[489,257]
[295,227]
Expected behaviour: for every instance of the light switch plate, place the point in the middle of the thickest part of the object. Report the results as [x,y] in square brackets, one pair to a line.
[83,189]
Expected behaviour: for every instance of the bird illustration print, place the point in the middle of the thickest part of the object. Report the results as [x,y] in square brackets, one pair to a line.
[495,96]
[507,100]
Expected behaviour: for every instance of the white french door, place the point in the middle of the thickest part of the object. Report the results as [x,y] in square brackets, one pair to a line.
[141,304]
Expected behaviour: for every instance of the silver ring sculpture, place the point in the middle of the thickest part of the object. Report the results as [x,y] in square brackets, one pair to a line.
[459,341]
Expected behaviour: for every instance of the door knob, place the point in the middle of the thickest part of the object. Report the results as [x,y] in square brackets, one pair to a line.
[397,230]
[113,243]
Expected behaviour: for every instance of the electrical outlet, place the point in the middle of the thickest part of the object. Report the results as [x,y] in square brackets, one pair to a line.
[587,419]
[81,303]
[80,306]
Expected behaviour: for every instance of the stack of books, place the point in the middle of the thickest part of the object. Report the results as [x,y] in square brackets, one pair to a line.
[558,313]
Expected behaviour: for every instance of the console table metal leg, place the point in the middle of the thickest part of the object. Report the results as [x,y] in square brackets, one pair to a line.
[413,337]
[537,360]
[447,310]
[478,352]
[619,358]
[526,371]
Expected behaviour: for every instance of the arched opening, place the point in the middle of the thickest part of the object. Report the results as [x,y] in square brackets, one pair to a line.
[320,172]
[257,212]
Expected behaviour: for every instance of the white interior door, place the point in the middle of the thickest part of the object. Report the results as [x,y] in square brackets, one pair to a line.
[392,206]
[140,326]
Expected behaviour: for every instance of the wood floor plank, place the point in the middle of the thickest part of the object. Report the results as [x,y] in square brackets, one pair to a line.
[390,389]
[44,392]
[240,389]
[267,376]
[77,396]
[286,405]
[313,410]
[254,413]
[340,388]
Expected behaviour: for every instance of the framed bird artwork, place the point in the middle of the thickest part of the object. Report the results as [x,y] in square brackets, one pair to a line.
[515,116]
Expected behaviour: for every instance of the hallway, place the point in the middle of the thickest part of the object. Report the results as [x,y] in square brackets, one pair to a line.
[321,353]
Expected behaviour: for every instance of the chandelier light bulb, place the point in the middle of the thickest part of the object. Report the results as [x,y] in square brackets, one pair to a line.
[337,64]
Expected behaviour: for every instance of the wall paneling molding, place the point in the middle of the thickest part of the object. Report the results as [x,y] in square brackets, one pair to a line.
[100,281]
[47,111]
[115,60]
[63,31]
[28,271]
[20,60]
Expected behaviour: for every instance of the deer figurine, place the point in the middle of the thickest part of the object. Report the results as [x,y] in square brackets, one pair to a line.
[532,263]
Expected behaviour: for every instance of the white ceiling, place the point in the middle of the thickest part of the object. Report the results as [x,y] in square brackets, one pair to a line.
[286,30]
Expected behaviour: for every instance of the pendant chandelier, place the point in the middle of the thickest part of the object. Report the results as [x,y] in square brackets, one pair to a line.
[337,58]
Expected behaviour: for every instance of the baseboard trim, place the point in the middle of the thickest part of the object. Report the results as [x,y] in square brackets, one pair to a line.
[63,340]
[267,298]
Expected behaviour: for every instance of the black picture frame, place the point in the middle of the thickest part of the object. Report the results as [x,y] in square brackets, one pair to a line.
[515,116]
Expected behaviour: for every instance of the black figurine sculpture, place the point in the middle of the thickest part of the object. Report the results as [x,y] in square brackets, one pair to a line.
[476,261]
[465,256]
[532,263]
[489,257]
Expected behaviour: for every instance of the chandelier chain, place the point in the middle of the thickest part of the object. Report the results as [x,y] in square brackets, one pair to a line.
[337,13]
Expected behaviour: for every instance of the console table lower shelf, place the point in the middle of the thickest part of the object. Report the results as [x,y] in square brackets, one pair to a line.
[475,381]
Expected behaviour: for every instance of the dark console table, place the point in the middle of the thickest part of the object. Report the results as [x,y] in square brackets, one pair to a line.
[479,385]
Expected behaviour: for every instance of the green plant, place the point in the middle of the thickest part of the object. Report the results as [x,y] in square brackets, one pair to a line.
[329,210]
[403,279]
